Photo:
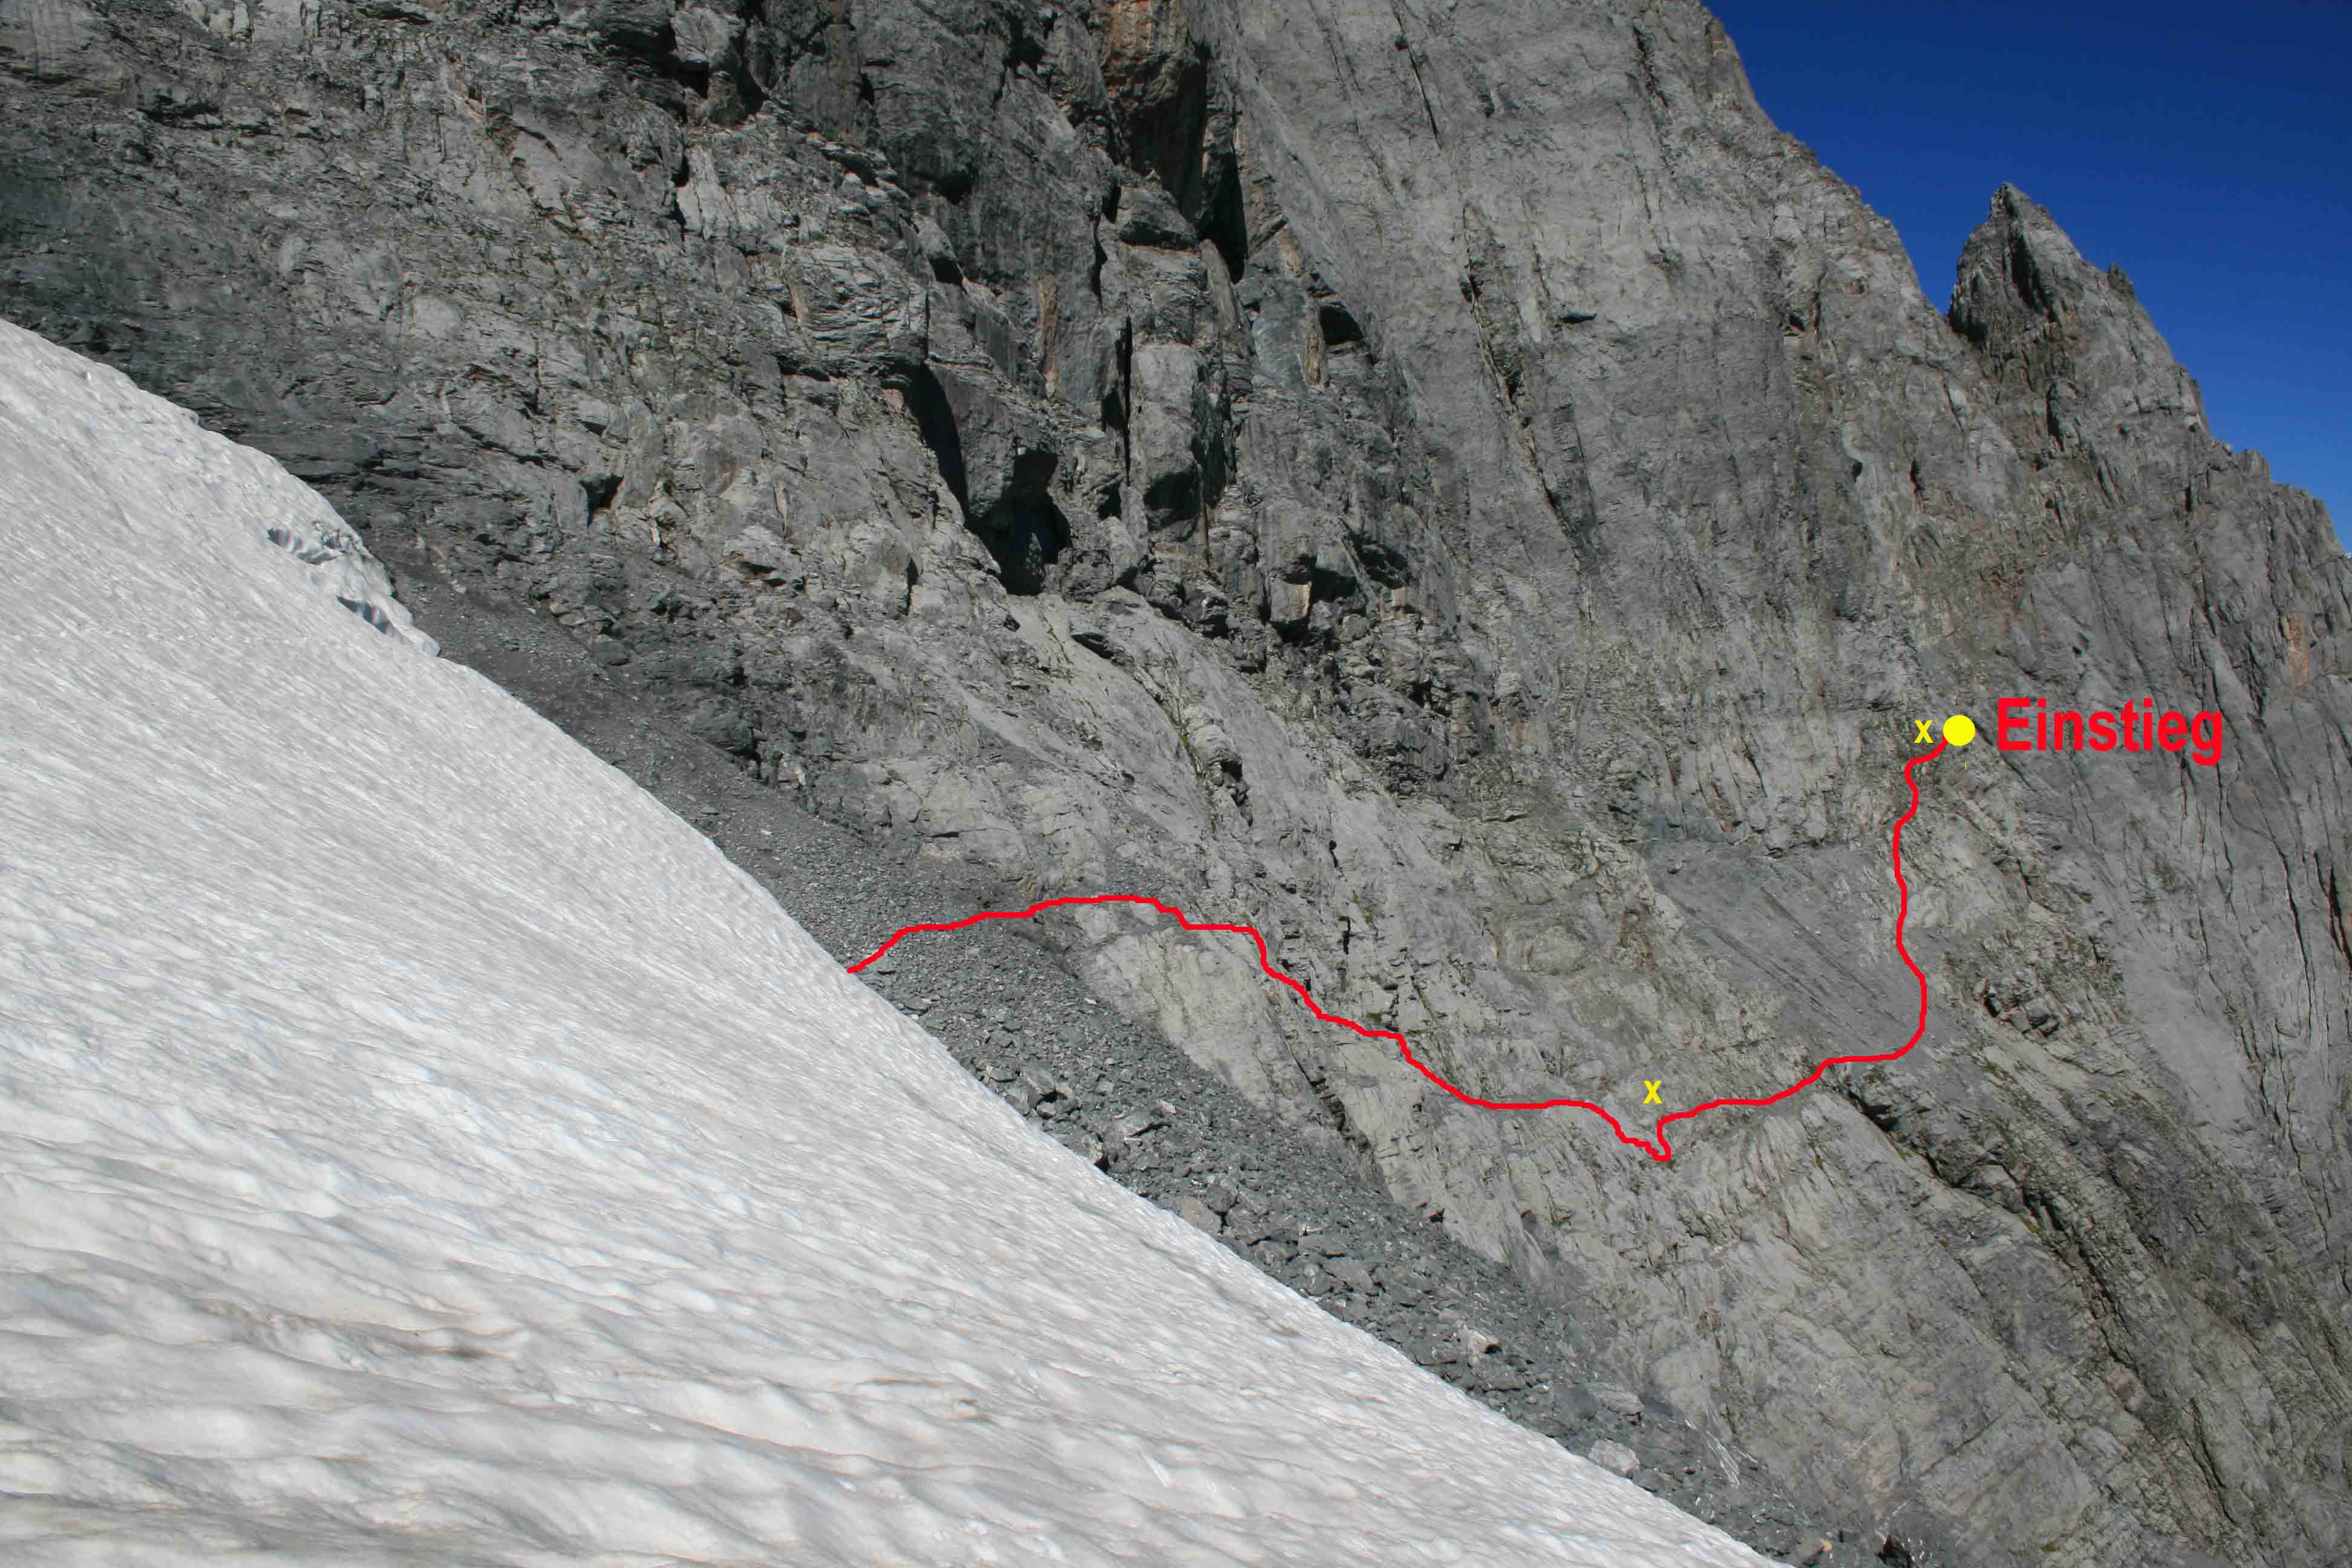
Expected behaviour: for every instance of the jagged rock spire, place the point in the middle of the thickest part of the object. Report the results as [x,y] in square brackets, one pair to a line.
[2050,324]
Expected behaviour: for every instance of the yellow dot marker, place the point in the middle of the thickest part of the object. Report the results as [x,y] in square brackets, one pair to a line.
[1959,729]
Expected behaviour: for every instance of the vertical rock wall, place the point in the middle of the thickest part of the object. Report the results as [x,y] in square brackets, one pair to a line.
[1453,486]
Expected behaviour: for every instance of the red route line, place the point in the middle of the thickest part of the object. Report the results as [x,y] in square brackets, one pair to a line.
[1661,1150]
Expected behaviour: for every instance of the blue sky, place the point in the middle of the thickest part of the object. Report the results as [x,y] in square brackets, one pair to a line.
[2207,150]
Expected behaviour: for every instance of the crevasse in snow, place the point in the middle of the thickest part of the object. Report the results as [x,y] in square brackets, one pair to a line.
[416,1145]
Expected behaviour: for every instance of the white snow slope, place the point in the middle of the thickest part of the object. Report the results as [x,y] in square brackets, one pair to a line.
[418,1146]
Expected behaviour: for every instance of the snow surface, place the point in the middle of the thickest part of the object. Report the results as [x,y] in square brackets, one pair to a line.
[416,1145]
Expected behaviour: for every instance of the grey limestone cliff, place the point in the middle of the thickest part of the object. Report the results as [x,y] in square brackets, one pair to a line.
[1451,486]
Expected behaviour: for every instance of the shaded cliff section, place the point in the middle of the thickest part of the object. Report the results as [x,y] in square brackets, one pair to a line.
[1453,487]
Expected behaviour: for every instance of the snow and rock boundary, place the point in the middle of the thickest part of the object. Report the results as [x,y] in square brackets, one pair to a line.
[418,1143]
[55,412]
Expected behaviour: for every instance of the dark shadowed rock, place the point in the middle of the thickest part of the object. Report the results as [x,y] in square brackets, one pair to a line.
[1458,492]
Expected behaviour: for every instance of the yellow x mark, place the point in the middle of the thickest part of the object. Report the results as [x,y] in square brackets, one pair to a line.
[1923,737]
[1651,1085]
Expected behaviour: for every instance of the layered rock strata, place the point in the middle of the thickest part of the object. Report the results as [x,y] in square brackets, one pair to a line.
[1453,487]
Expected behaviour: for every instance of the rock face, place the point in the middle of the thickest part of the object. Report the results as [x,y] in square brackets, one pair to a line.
[1449,486]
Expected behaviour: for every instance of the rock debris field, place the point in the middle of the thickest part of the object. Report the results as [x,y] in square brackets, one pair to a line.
[1115,1092]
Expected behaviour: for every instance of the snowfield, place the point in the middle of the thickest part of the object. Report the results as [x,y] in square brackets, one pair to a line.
[418,1146]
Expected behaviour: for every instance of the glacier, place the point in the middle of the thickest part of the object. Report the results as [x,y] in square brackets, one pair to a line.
[417,1146]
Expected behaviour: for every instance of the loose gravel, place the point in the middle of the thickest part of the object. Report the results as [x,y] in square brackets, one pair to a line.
[1001,999]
